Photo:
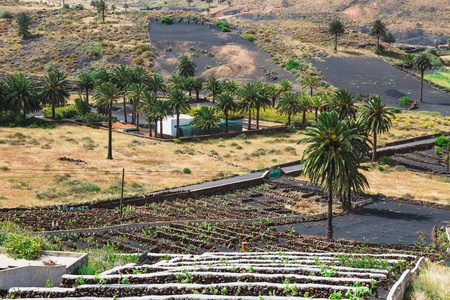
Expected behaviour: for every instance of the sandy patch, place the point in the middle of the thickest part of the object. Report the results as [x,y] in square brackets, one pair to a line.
[353,12]
[234,54]
[230,71]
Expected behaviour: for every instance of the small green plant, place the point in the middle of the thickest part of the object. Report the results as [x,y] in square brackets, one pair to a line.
[80,280]
[403,101]
[336,296]
[187,171]
[125,280]
[48,284]
[166,20]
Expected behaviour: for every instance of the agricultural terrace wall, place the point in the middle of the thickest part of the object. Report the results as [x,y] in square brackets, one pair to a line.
[415,139]
[397,292]
[406,149]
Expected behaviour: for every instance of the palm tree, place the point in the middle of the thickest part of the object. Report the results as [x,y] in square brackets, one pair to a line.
[54,91]
[330,155]
[160,110]
[289,105]
[145,106]
[310,82]
[189,2]
[106,95]
[213,85]
[137,75]
[336,29]
[156,84]
[253,97]
[226,104]
[186,67]
[285,86]
[102,77]
[135,90]
[86,82]
[378,29]
[179,101]
[101,7]
[21,93]
[197,86]
[422,63]
[317,102]
[230,86]
[304,104]
[120,79]
[209,3]
[175,83]
[274,91]
[205,118]
[3,103]
[23,21]
[188,85]
[378,119]
[343,103]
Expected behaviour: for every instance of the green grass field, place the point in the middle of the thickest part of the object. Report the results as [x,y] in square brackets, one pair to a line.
[441,78]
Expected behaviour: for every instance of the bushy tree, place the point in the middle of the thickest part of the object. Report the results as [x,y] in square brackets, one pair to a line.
[378,30]
[23,22]
[336,29]
[53,91]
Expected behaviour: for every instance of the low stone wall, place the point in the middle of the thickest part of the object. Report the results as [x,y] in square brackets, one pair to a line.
[415,139]
[397,292]
[406,149]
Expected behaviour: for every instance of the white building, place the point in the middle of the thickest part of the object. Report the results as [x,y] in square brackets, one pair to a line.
[170,124]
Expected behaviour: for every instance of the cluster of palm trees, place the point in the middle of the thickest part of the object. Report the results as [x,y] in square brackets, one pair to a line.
[18,93]
[337,142]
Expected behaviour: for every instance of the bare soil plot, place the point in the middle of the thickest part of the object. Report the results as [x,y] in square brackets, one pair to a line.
[234,57]
[374,76]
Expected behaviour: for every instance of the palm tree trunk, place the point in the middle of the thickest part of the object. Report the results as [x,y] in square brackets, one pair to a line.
[257,118]
[149,120]
[156,127]
[178,124]
[421,84]
[335,42]
[198,95]
[133,116]
[103,15]
[349,197]
[378,41]
[317,109]
[53,111]
[87,96]
[214,96]
[304,117]
[311,90]
[289,119]
[161,129]
[24,116]
[137,121]
[330,209]
[125,109]
[374,151]
[110,131]
[273,101]
[249,127]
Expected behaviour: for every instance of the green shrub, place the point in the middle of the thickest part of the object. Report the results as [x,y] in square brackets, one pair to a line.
[65,112]
[22,246]
[222,25]
[403,101]
[5,15]
[442,142]
[250,31]
[92,118]
[86,270]
[166,20]
[225,29]
[292,64]
[395,110]
[251,38]
[384,160]
[85,187]
[187,171]
[408,59]
[82,106]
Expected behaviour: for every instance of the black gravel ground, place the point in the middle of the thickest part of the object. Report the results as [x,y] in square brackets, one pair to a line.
[374,76]
[382,222]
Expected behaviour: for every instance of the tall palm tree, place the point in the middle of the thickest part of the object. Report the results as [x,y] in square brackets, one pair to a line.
[86,82]
[120,79]
[253,97]
[230,86]
[274,91]
[378,119]
[101,7]
[289,105]
[213,85]
[156,84]
[205,118]
[146,106]
[422,63]
[186,66]
[378,29]
[188,85]
[175,83]
[318,101]
[102,76]
[137,75]
[336,29]
[197,86]
[23,21]
[310,82]
[54,91]
[285,86]
[304,104]
[105,95]
[161,109]
[329,155]
[21,93]
[135,90]
[179,101]
[344,104]
[226,104]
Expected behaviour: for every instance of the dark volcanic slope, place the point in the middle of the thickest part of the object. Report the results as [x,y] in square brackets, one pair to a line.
[234,57]
[374,76]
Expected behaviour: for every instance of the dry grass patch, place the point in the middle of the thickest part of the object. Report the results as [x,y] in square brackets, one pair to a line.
[432,283]
[30,169]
